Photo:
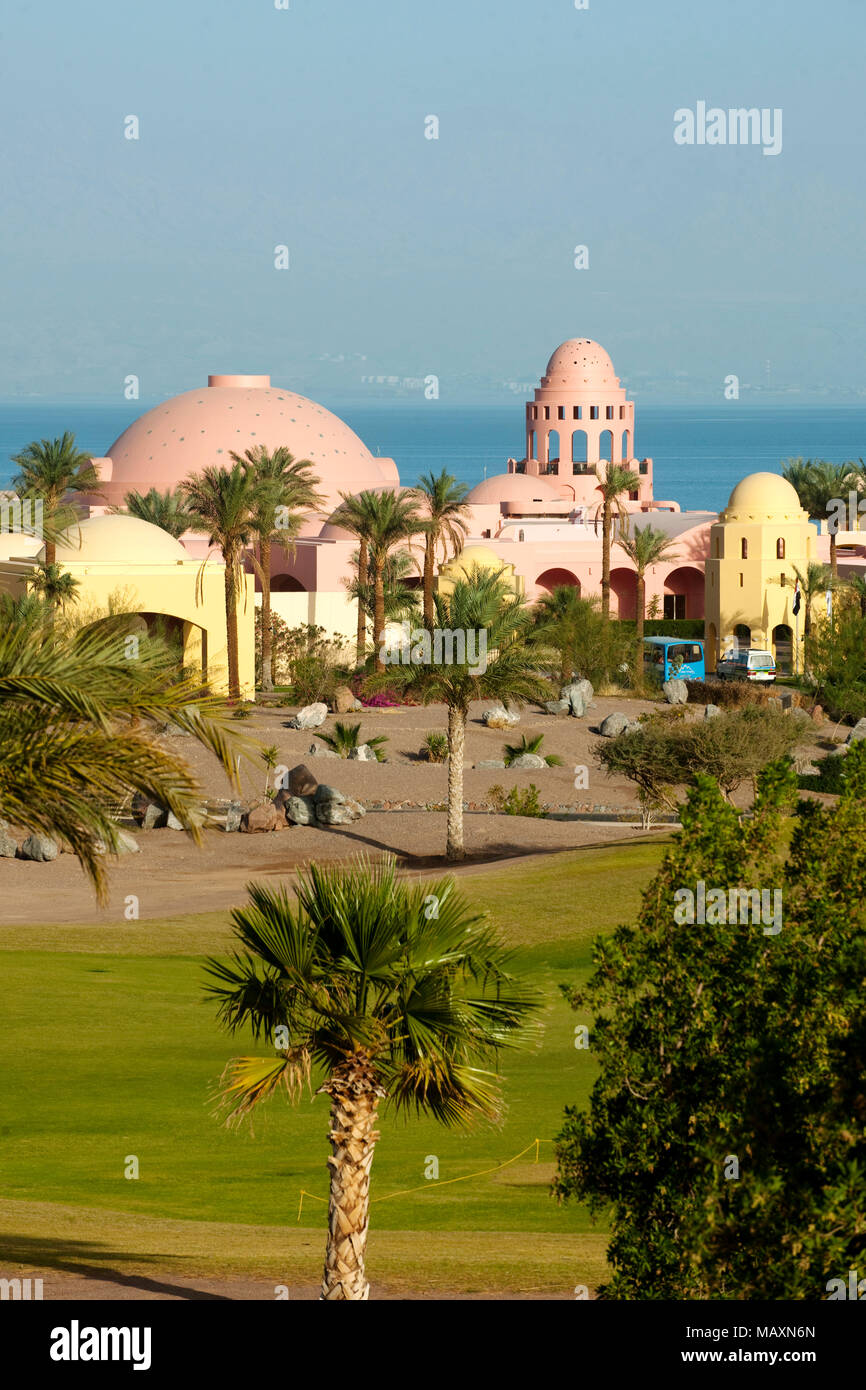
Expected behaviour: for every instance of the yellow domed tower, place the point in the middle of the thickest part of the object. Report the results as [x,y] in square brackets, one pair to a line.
[758,540]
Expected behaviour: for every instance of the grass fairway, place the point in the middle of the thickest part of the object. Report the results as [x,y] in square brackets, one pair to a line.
[110,1051]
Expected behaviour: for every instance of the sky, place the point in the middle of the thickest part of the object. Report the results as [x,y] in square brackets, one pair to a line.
[411,257]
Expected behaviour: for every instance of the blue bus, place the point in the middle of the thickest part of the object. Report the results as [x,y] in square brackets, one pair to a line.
[671,658]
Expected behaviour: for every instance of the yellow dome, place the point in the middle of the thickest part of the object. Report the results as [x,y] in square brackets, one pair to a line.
[763,497]
[119,540]
[473,556]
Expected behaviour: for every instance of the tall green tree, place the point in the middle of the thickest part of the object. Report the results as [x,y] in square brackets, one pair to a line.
[393,519]
[612,515]
[400,597]
[52,471]
[645,547]
[168,510]
[356,514]
[818,484]
[446,524]
[54,585]
[369,995]
[724,1135]
[286,495]
[222,503]
[814,581]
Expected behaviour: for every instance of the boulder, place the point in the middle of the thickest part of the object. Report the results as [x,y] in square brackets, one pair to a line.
[8,845]
[301,810]
[318,750]
[858,732]
[345,700]
[578,694]
[557,706]
[301,781]
[262,819]
[335,808]
[491,762]
[801,715]
[615,724]
[40,848]
[149,814]
[498,717]
[326,793]
[172,822]
[234,816]
[310,717]
[817,715]
[676,692]
[712,712]
[126,844]
[529,760]
[362,754]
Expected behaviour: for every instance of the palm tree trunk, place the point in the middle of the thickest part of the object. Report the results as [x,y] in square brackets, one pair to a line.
[361,637]
[378,612]
[267,631]
[605,562]
[640,616]
[456,742]
[428,580]
[834,559]
[232,628]
[355,1095]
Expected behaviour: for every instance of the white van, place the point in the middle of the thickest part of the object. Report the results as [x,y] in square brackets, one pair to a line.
[747,664]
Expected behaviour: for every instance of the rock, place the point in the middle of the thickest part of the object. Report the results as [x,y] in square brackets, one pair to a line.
[578,694]
[804,765]
[839,751]
[817,715]
[529,760]
[326,793]
[801,715]
[262,819]
[615,724]
[858,732]
[557,706]
[126,843]
[774,702]
[491,762]
[301,781]
[318,750]
[172,822]
[149,814]
[234,817]
[345,701]
[310,717]
[712,712]
[498,717]
[40,848]
[301,810]
[337,809]
[676,692]
[8,845]
[362,754]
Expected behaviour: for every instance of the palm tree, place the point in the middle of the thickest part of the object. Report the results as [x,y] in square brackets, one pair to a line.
[856,586]
[560,620]
[49,470]
[613,481]
[401,599]
[393,519]
[54,586]
[645,547]
[221,503]
[492,620]
[530,745]
[446,524]
[168,510]
[76,726]
[355,515]
[817,484]
[285,494]
[361,988]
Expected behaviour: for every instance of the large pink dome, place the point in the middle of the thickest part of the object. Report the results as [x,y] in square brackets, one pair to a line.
[512,487]
[187,433]
[580,363]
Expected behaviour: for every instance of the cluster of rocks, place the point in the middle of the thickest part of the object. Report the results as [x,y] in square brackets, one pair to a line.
[575,699]
[303,801]
[44,849]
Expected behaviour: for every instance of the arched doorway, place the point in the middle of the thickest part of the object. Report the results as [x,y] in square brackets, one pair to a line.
[556,579]
[783,649]
[623,592]
[684,593]
[742,636]
[286,584]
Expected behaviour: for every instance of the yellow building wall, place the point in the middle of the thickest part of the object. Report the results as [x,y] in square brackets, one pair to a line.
[755,591]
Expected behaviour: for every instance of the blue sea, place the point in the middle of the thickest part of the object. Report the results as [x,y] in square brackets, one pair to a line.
[699,453]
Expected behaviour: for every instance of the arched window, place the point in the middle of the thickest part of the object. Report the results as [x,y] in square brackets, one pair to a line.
[780,548]
[744,548]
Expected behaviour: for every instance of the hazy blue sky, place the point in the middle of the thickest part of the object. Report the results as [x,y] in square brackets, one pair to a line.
[412,256]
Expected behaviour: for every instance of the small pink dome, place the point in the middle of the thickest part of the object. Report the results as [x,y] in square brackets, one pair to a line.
[578,363]
[512,487]
[200,428]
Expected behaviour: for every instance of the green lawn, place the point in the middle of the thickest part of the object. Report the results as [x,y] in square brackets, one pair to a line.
[109,1051]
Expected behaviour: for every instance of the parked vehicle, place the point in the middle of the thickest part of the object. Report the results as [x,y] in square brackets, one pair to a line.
[670,658]
[747,664]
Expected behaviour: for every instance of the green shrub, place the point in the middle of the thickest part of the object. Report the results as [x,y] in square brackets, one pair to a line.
[831,775]
[530,745]
[347,737]
[517,802]
[435,748]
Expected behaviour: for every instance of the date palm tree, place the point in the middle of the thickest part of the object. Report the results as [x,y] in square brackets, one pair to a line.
[401,598]
[285,495]
[561,620]
[49,470]
[645,547]
[77,720]
[355,514]
[445,526]
[168,510]
[393,518]
[222,503]
[817,484]
[613,481]
[371,989]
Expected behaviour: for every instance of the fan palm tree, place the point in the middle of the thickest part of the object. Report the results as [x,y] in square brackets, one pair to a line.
[76,727]
[168,510]
[446,524]
[363,989]
[645,547]
[530,745]
[355,515]
[285,495]
[613,481]
[49,470]
[494,621]
[393,519]
[221,503]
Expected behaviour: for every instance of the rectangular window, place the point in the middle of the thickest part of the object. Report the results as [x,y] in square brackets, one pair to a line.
[560,411]
[578,412]
[593,412]
[643,468]
[675,606]
[622,412]
[633,496]
[609,413]
[741,581]
[547,412]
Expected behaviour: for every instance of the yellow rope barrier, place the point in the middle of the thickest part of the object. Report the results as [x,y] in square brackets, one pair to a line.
[428,1186]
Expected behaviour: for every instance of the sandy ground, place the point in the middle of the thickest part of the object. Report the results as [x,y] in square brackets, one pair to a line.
[174,1288]
[171,875]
